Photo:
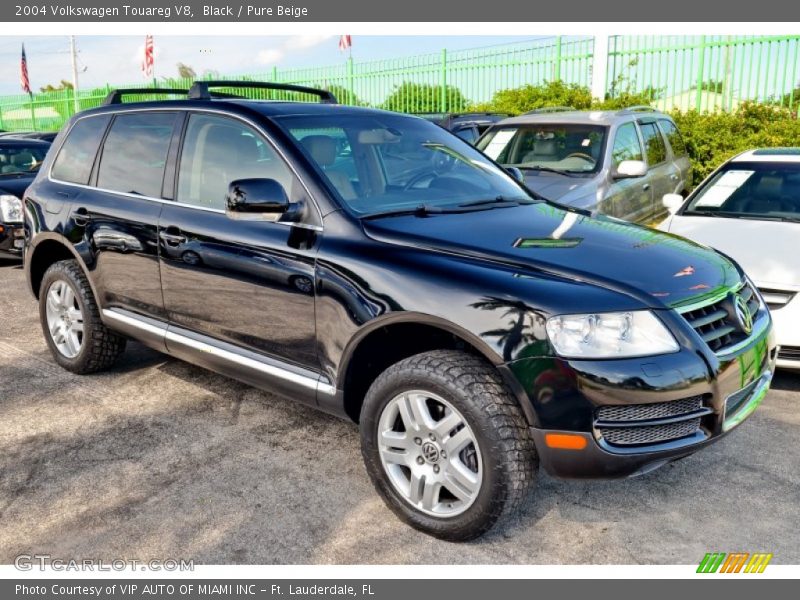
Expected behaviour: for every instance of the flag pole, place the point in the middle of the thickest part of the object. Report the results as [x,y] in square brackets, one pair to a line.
[33,112]
[74,53]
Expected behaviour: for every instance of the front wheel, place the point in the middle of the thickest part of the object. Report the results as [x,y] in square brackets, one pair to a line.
[446,444]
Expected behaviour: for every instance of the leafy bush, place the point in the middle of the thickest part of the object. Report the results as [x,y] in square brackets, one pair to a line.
[712,138]
[424,98]
[529,97]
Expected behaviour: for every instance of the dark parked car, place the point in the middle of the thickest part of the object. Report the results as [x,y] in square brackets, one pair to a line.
[618,163]
[472,329]
[467,126]
[45,136]
[19,163]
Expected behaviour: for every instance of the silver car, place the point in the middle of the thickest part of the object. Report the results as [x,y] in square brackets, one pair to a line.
[619,163]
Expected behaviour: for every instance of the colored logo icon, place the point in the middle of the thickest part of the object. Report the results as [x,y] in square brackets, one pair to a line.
[736,562]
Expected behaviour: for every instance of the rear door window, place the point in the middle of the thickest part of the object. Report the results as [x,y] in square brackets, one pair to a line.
[76,157]
[653,144]
[673,137]
[135,153]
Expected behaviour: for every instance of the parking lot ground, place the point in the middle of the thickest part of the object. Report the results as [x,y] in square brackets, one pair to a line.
[160,459]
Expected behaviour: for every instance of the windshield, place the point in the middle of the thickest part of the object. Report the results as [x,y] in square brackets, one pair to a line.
[570,148]
[387,163]
[753,190]
[18,159]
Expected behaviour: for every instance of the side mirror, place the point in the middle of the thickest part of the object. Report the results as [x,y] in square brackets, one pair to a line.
[256,200]
[516,173]
[672,202]
[630,168]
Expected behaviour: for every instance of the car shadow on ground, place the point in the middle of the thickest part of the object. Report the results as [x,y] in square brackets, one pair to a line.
[786,380]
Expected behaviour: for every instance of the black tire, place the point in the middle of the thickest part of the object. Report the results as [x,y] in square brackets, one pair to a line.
[100,347]
[476,390]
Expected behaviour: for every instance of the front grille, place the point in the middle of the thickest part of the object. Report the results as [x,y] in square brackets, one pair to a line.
[645,424]
[789,353]
[718,324]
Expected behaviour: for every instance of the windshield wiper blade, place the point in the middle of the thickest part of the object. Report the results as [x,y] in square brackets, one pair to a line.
[713,213]
[566,172]
[498,201]
[420,210]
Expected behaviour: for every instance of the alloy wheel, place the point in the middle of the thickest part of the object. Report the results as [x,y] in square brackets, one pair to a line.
[64,318]
[429,453]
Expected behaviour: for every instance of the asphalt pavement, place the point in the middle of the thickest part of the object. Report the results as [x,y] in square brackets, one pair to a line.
[160,459]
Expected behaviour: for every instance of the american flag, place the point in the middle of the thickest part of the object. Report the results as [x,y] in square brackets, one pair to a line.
[345,42]
[23,73]
[147,61]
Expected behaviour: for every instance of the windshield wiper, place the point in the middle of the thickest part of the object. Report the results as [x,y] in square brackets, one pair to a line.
[713,213]
[567,172]
[420,210]
[424,210]
[499,202]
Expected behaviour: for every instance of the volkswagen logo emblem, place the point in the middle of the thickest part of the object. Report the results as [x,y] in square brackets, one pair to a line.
[743,315]
[430,452]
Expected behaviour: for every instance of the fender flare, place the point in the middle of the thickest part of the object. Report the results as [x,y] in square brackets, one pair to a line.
[54,237]
[440,323]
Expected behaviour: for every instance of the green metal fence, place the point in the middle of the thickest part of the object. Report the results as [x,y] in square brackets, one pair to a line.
[685,72]
[707,73]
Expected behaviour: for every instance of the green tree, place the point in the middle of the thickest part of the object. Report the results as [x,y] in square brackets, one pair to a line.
[344,95]
[413,97]
[185,71]
[530,97]
[63,85]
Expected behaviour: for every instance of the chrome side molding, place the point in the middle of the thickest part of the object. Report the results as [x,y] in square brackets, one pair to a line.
[214,354]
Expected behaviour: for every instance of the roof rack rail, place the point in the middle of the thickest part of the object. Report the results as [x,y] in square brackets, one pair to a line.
[200,89]
[637,108]
[550,109]
[115,96]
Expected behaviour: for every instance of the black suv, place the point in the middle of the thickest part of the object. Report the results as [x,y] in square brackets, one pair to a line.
[19,162]
[467,126]
[375,266]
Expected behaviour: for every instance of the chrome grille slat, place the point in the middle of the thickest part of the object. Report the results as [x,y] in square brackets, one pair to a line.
[709,318]
[716,323]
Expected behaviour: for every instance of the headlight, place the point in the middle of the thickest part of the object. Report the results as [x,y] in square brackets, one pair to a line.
[610,335]
[10,209]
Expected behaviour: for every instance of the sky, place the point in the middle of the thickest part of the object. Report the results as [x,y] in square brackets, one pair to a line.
[117,59]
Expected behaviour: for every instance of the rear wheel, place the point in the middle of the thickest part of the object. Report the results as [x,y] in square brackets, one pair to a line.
[446,444]
[71,321]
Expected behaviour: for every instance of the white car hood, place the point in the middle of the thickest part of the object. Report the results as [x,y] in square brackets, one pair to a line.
[766,250]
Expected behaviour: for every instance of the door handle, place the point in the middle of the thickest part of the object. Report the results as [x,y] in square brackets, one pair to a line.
[673,177]
[646,187]
[173,239]
[80,216]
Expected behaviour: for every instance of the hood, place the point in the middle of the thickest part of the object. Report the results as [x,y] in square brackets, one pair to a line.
[760,247]
[16,185]
[657,268]
[561,188]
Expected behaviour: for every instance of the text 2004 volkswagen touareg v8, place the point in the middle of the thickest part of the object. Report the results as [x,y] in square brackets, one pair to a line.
[378,267]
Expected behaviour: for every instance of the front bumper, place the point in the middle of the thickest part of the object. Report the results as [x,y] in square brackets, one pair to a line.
[568,395]
[12,236]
